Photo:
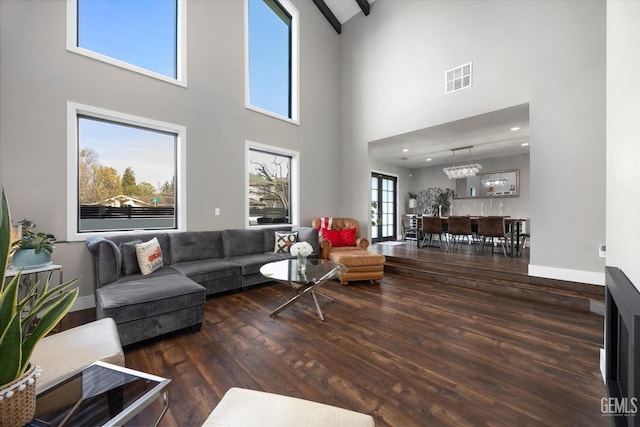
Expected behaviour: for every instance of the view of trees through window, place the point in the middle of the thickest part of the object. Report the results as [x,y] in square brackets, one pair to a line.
[126,176]
[269,187]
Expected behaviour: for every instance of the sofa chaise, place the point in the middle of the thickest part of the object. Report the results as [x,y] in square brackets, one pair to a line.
[195,264]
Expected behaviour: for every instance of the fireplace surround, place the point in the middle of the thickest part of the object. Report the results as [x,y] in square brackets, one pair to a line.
[622,355]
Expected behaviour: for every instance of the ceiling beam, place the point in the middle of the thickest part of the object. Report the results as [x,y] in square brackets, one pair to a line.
[329,15]
[364,5]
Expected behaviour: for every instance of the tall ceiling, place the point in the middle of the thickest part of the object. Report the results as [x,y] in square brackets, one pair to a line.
[489,134]
[337,12]
[344,9]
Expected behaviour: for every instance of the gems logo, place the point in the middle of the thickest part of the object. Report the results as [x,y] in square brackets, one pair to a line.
[619,407]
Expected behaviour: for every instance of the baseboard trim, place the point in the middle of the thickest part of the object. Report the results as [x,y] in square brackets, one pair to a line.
[83,303]
[596,307]
[581,276]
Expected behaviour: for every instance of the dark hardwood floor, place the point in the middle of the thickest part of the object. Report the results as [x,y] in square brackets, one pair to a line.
[409,351]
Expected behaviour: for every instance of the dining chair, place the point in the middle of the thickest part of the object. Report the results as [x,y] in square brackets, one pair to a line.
[492,227]
[458,227]
[431,226]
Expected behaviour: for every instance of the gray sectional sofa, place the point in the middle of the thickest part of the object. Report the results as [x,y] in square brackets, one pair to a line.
[195,264]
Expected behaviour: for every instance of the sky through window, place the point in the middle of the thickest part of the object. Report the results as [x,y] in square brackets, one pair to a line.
[269,57]
[139,32]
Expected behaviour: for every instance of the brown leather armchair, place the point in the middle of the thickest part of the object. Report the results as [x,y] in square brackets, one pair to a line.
[340,224]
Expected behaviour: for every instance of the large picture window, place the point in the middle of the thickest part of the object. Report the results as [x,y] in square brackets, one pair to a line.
[272,57]
[126,173]
[272,185]
[147,36]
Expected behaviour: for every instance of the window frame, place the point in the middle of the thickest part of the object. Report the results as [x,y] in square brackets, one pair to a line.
[294,183]
[74,110]
[181,46]
[294,62]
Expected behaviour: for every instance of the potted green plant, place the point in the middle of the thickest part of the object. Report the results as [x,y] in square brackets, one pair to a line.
[34,248]
[413,200]
[436,201]
[23,323]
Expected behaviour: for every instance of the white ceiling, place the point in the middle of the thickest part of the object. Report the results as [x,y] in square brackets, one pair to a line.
[489,134]
[344,9]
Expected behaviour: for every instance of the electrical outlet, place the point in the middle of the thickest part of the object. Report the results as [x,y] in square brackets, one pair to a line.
[602,251]
[216,212]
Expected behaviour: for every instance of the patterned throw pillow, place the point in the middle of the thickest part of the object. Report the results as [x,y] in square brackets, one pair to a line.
[284,241]
[149,256]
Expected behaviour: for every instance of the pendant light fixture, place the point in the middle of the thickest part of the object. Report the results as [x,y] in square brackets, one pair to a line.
[462,171]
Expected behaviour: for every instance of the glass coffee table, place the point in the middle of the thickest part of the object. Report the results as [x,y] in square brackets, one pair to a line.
[101,395]
[316,273]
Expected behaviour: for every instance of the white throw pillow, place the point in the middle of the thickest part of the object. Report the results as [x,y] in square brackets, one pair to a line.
[149,256]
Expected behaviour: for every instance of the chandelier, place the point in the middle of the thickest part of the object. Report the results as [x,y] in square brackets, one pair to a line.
[494,182]
[462,171]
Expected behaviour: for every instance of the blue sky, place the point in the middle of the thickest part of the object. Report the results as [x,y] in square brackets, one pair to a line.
[268,59]
[150,154]
[143,33]
[140,32]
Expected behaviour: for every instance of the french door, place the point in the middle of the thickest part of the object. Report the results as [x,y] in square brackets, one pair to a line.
[383,207]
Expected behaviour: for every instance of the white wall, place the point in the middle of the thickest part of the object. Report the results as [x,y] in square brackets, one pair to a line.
[623,134]
[38,76]
[550,54]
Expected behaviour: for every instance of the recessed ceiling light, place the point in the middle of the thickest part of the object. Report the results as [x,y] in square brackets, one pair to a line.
[525,144]
[515,128]
[428,160]
[404,150]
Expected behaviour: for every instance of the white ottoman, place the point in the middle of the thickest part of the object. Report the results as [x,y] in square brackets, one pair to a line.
[240,407]
[65,353]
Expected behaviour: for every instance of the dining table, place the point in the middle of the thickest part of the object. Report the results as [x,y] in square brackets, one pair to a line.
[514,227]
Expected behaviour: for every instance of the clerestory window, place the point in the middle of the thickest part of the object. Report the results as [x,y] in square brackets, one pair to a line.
[272,58]
[146,36]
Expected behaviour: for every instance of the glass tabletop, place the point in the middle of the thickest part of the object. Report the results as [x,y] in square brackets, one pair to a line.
[101,394]
[287,270]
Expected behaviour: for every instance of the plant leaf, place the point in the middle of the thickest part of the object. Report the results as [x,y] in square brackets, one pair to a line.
[5,235]
[47,322]
[44,301]
[43,304]
[46,294]
[11,351]
[8,299]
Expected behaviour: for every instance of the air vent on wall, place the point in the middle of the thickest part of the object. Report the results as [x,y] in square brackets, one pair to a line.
[457,78]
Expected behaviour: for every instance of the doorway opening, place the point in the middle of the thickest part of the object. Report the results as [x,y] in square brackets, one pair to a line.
[384,208]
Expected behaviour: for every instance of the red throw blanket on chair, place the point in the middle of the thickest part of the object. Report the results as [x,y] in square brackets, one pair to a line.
[325,222]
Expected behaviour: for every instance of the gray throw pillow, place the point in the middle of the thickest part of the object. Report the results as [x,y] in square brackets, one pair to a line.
[309,235]
[129,258]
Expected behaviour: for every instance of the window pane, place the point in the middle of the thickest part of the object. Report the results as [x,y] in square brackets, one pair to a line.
[269,188]
[126,177]
[270,57]
[140,32]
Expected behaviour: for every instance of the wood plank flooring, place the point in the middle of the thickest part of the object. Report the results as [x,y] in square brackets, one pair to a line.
[409,351]
[491,272]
